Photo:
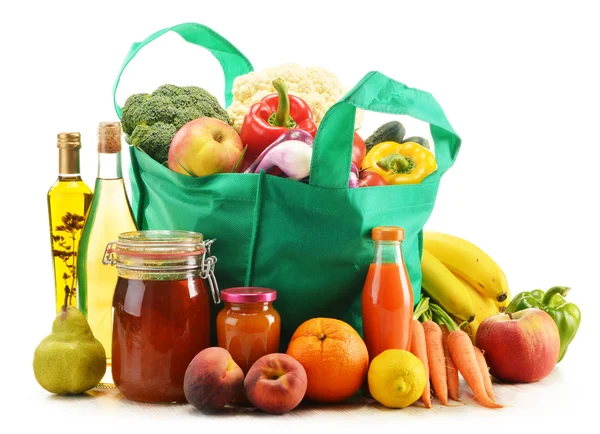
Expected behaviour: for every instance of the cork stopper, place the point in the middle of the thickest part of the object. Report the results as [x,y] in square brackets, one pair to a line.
[68,140]
[109,137]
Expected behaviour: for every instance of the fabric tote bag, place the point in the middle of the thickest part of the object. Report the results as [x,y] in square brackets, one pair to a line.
[311,242]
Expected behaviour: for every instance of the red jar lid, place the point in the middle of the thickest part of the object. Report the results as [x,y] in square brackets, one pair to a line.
[248,294]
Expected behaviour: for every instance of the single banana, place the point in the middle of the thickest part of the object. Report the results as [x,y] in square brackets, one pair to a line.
[502,305]
[484,306]
[468,261]
[445,289]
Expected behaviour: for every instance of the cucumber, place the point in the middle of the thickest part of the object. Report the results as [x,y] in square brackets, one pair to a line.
[392,131]
[420,140]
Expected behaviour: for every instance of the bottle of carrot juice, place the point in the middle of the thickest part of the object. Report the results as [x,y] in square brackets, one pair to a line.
[387,297]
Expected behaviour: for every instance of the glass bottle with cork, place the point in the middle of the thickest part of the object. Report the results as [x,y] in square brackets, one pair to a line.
[109,215]
[68,202]
[387,297]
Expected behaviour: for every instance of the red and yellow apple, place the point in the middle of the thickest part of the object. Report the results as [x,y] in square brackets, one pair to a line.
[205,146]
[212,379]
[276,383]
[520,347]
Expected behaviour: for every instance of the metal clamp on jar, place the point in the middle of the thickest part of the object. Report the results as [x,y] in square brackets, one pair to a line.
[161,310]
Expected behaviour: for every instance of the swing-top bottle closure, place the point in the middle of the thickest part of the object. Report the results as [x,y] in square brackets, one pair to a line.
[163,255]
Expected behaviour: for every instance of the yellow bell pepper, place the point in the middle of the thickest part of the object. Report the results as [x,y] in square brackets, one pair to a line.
[400,163]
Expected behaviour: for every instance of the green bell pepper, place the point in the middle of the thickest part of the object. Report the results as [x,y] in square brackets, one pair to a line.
[567,316]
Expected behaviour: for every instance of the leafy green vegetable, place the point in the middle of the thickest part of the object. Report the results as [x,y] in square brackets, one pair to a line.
[154,139]
[151,120]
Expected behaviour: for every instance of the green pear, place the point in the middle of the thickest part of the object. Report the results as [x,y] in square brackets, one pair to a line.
[70,360]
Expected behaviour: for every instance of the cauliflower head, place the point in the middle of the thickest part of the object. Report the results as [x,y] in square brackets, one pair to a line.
[317,86]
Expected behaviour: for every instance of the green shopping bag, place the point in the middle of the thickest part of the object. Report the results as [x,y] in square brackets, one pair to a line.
[310,242]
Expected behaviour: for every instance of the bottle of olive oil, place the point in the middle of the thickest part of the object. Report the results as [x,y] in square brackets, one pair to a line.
[68,202]
[109,215]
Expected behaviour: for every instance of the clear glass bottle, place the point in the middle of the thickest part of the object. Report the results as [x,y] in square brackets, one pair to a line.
[387,297]
[109,215]
[68,202]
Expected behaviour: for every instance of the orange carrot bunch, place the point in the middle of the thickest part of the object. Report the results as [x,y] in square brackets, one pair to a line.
[446,350]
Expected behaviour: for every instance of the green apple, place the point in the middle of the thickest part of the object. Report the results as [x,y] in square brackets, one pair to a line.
[205,146]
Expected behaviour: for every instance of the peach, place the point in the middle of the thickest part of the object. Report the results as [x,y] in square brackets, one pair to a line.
[520,347]
[276,383]
[212,379]
[205,146]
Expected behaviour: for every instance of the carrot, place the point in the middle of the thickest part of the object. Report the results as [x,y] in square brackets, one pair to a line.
[419,348]
[451,371]
[463,353]
[435,358]
[483,367]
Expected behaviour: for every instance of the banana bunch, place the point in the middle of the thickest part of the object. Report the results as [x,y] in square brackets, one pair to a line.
[463,280]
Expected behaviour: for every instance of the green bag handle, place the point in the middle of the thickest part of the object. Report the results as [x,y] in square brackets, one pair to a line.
[332,149]
[232,61]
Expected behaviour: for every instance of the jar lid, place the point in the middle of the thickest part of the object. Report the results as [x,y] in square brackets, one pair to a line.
[163,255]
[163,244]
[387,233]
[248,294]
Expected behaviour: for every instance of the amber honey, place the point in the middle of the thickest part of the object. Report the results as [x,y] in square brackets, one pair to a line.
[161,311]
[159,326]
[248,326]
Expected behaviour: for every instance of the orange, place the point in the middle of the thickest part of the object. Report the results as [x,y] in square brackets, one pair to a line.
[334,357]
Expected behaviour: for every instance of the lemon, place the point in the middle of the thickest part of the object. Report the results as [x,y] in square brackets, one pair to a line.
[396,378]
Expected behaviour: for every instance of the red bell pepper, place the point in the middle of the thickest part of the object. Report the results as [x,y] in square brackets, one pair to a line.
[275,114]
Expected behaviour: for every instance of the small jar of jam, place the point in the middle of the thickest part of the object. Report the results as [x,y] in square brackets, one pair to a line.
[248,326]
[161,310]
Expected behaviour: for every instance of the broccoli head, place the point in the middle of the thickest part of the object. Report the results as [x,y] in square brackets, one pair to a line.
[151,120]
[130,111]
[152,138]
[168,90]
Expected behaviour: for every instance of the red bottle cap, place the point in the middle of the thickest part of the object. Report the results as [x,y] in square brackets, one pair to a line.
[387,233]
[250,294]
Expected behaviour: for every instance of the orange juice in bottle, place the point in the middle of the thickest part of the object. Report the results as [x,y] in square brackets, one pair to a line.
[387,297]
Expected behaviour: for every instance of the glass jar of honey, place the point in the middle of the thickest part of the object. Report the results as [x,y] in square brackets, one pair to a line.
[161,310]
[248,326]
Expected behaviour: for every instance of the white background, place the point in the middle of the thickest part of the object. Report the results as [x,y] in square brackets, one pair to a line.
[517,80]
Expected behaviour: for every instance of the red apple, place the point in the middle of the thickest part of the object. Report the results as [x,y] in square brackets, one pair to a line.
[276,383]
[520,347]
[205,146]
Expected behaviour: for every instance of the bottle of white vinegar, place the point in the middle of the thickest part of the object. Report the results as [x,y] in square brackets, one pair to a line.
[109,215]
